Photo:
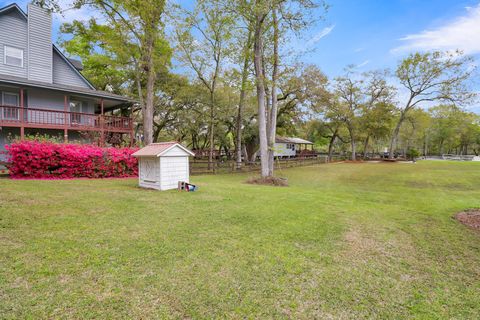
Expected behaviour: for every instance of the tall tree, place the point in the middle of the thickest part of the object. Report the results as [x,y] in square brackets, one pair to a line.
[346,105]
[246,56]
[132,31]
[202,37]
[432,76]
[377,111]
[272,20]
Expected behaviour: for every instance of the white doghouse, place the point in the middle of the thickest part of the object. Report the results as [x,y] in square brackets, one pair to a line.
[162,165]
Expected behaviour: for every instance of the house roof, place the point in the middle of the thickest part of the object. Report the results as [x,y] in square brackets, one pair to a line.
[13,6]
[74,64]
[64,88]
[292,140]
[74,68]
[159,149]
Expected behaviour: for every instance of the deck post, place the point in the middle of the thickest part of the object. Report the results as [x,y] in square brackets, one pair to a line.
[102,127]
[65,119]
[22,116]
[132,132]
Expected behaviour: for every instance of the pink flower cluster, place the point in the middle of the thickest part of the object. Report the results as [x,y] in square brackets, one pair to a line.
[46,160]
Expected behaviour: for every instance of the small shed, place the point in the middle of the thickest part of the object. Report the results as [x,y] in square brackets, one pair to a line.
[290,147]
[162,165]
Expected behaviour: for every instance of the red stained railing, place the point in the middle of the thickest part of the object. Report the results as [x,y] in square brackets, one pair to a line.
[47,118]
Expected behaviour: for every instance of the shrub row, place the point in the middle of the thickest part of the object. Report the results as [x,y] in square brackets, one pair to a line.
[47,160]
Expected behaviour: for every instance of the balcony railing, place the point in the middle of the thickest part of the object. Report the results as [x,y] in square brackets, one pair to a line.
[58,119]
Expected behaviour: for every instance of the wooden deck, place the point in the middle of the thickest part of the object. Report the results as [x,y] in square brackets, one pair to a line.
[63,120]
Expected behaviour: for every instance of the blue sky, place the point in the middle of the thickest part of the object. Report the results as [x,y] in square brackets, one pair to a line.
[369,33]
[373,34]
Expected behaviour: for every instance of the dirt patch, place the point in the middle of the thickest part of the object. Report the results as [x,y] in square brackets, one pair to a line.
[269,181]
[420,184]
[470,218]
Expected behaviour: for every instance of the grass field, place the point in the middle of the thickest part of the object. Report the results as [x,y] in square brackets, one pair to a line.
[342,241]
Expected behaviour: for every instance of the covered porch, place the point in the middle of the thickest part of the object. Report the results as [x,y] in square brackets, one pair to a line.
[40,106]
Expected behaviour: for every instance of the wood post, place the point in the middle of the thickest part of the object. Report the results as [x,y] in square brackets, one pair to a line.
[132,132]
[102,127]
[22,116]
[65,119]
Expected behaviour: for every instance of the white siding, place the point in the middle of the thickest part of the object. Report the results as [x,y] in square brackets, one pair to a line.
[63,73]
[175,152]
[281,150]
[13,32]
[149,172]
[172,170]
[40,58]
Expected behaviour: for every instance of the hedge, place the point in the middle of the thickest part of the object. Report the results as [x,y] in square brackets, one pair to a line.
[47,160]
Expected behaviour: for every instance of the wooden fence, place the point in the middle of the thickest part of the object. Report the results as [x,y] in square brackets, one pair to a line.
[204,167]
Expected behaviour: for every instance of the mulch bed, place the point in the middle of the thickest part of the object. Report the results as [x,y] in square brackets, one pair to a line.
[470,218]
[269,181]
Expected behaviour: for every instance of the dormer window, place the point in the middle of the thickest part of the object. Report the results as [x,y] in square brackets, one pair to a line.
[13,56]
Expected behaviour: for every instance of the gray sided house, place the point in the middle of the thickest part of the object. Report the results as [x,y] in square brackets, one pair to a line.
[42,91]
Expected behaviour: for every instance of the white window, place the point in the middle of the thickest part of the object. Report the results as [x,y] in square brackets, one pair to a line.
[13,56]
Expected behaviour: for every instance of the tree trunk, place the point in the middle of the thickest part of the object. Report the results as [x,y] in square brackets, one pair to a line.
[330,145]
[212,110]
[140,91]
[245,153]
[241,104]
[273,111]
[262,124]
[396,131]
[211,134]
[352,144]
[365,146]
[148,115]
[425,145]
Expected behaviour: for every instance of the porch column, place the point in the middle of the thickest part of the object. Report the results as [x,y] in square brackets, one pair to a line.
[132,132]
[102,127]
[65,119]
[22,115]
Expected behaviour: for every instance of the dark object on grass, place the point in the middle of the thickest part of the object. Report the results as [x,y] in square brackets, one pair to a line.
[470,218]
[269,181]
[185,186]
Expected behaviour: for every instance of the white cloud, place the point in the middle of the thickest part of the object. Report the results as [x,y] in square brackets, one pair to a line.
[359,50]
[462,33]
[363,64]
[69,13]
[308,46]
[323,33]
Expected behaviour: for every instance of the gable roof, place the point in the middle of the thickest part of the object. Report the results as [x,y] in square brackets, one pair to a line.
[64,88]
[15,6]
[159,149]
[72,66]
[11,7]
[76,63]
[279,139]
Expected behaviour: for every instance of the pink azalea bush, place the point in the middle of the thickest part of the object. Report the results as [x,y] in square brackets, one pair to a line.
[47,160]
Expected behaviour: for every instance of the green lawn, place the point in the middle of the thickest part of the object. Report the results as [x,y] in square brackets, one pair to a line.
[343,241]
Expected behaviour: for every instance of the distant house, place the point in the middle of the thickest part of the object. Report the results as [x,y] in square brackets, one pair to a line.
[292,147]
[42,91]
